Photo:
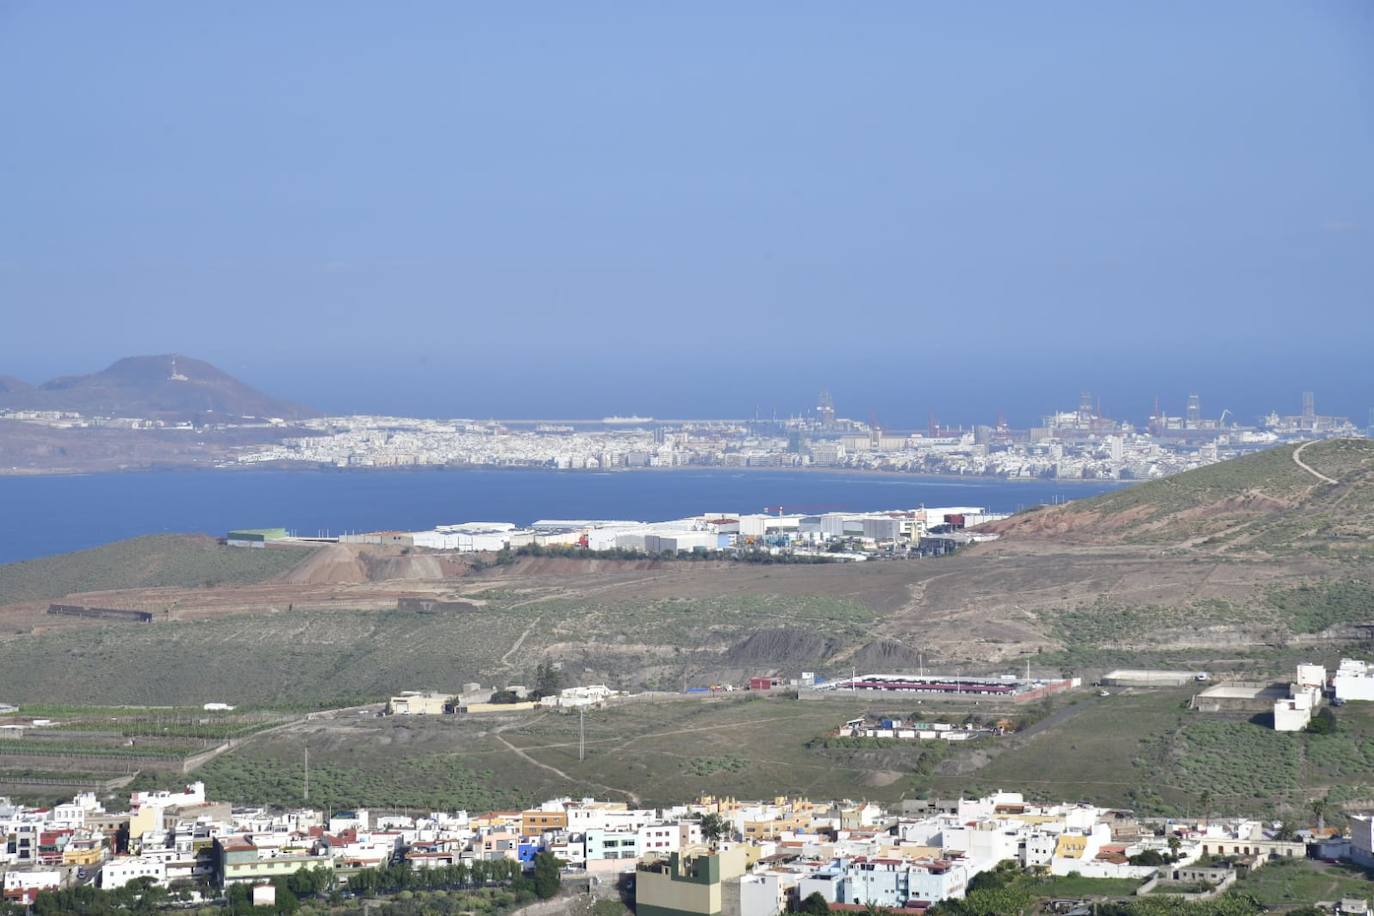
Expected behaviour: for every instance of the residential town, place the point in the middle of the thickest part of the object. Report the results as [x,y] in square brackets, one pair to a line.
[715,856]
[1076,444]
[707,857]
[1066,444]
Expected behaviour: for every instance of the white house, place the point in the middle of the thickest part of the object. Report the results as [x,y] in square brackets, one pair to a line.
[193,794]
[1311,676]
[120,871]
[1354,680]
[24,885]
[1292,714]
[1362,840]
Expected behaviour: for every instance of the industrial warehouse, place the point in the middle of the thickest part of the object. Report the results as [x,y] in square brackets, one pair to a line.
[1006,686]
[837,536]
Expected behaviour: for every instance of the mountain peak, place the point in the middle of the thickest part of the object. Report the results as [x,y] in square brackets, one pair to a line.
[169,386]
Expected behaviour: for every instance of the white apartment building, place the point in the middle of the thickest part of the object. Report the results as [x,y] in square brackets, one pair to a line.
[666,838]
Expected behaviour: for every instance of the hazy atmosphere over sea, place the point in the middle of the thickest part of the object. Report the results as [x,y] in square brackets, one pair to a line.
[479,211]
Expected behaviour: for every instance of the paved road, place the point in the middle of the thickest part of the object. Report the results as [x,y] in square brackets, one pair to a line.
[1297,459]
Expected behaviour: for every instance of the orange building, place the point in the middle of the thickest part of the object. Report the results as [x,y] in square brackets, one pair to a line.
[535,822]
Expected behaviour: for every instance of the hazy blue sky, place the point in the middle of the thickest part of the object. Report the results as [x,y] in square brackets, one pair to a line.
[696,209]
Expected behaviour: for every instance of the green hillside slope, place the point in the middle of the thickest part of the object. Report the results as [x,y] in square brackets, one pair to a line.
[1262,502]
[183,560]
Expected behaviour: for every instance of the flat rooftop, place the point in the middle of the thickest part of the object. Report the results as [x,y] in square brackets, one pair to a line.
[1243,691]
[1148,672]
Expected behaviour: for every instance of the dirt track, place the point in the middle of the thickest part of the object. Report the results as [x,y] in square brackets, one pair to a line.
[987,603]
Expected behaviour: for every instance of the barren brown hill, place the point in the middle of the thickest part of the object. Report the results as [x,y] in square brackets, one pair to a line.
[1315,497]
[171,386]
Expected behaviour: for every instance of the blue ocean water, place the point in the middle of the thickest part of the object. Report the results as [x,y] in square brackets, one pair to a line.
[46,515]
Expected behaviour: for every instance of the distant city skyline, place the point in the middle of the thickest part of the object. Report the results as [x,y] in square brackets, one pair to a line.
[424,391]
[453,210]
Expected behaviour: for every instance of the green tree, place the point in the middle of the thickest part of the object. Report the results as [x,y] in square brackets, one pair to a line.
[547,875]
[989,901]
[714,827]
[1004,874]
[1323,723]
[287,902]
[814,905]
[548,680]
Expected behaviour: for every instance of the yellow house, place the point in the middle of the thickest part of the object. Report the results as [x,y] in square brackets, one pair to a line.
[418,703]
[772,829]
[83,855]
[1071,846]
[146,818]
[718,805]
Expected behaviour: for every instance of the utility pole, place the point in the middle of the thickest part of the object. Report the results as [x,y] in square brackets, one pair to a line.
[581,733]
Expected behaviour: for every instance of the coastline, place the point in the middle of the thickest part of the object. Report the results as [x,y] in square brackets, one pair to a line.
[302,468]
[47,515]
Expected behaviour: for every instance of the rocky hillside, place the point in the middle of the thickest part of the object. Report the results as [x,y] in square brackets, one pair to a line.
[1313,498]
[169,387]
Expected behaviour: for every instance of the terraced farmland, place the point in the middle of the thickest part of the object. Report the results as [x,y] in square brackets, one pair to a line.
[89,746]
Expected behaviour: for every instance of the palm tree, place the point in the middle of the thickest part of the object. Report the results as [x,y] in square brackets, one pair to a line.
[1319,808]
